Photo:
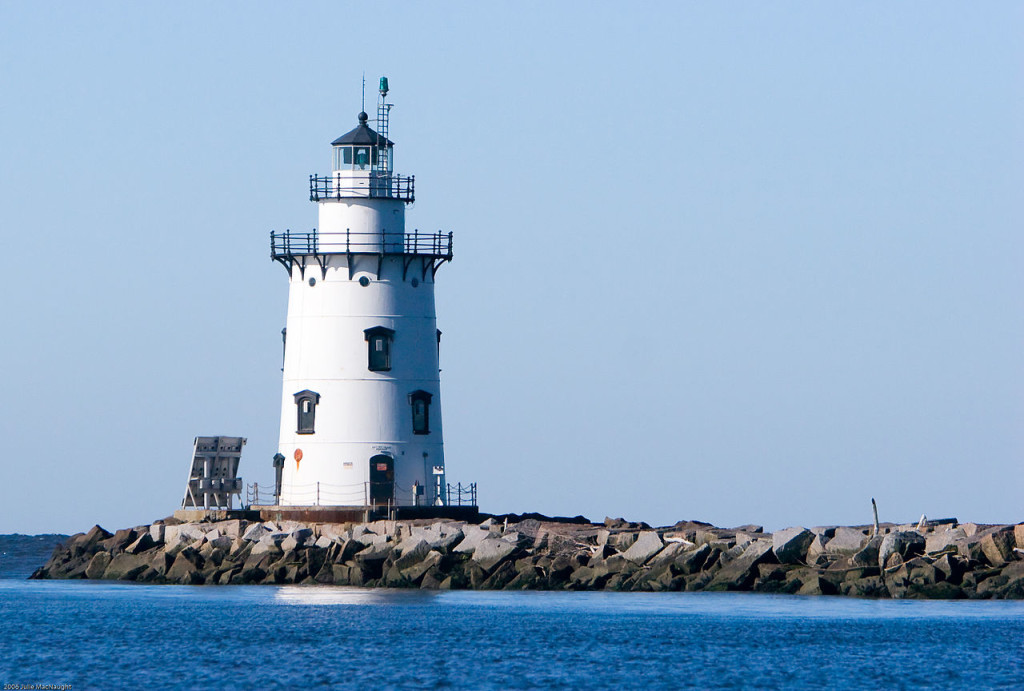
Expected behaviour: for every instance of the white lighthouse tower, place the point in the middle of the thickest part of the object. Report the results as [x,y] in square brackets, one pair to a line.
[361,405]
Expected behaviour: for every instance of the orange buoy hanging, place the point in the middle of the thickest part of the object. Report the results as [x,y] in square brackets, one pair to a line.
[298,457]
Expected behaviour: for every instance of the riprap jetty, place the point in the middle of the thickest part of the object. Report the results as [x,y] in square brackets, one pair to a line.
[937,559]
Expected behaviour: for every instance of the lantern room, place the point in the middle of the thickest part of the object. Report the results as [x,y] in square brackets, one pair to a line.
[362,149]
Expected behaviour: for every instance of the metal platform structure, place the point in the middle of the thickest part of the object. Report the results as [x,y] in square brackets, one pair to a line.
[213,473]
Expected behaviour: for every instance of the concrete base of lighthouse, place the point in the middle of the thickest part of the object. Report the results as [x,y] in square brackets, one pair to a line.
[354,514]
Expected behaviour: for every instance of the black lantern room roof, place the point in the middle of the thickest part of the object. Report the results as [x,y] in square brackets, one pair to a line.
[362,136]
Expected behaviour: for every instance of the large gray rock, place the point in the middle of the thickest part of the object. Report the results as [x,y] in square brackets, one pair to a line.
[97,565]
[125,567]
[492,551]
[472,536]
[144,543]
[905,543]
[943,540]
[270,543]
[692,561]
[790,544]
[868,555]
[997,545]
[414,572]
[414,549]
[224,543]
[233,528]
[741,572]
[816,554]
[184,533]
[256,532]
[646,546]
[846,541]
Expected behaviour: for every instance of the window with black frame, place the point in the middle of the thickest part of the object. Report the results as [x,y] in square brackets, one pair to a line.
[420,403]
[305,403]
[378,348]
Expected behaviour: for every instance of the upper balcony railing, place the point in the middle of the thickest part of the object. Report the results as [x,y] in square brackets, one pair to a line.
[374,186]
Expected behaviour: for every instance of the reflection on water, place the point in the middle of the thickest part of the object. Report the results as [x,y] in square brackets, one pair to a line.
[733,606]
[344,595]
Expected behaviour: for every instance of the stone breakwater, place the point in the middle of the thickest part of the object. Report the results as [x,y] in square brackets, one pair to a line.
[942,559]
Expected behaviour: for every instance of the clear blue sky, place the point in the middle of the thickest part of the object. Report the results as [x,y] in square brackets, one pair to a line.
[728,262]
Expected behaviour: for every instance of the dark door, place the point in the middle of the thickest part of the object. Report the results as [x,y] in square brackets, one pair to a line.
[382,480]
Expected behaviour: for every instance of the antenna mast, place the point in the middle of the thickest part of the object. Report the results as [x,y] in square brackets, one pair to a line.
[383,110]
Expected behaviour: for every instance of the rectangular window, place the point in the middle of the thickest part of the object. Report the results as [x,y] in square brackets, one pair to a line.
[378,350]
[305,405]
[420,402]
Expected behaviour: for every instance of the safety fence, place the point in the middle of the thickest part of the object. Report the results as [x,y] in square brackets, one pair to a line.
[375,185]
[361,494]
[292,244]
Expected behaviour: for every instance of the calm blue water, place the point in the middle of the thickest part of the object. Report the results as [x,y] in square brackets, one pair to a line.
[110,635]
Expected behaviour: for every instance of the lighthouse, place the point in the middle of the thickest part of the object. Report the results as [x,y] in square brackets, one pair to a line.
[361,399]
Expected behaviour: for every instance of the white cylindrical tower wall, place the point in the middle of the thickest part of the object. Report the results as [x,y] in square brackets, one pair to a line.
[361,225]
[360,413]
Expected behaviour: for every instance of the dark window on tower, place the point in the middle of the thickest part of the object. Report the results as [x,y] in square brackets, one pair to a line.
[420,403]
[305,402]
[378,345]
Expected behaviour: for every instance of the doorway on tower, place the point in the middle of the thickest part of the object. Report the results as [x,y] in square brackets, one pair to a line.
[382,482]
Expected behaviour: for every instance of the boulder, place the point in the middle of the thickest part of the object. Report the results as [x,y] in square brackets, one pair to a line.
[943,540]
[224,543]
[492,551]
[668,553]
[234,528]
[741,572]
[185,569]
[267,545]
[413,551]
[156,531]
[622,541]
[647,544]
[940,590]
[416,571]
[816,554]
[846,541]
[589,577]
[692,561]
[952,568]
[790,544]
[125,567]
[347,551]
[97,565]
[87,543]
[872,586]
[143,544]
[997,545]
[816,585]
[868,555]
[905,543]
[472,536]
[256,532]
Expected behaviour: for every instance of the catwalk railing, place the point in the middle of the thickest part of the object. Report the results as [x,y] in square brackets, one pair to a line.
[326,494]
[291,244]
[375,186]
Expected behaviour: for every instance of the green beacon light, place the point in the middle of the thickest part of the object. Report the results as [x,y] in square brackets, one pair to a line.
[383,86]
